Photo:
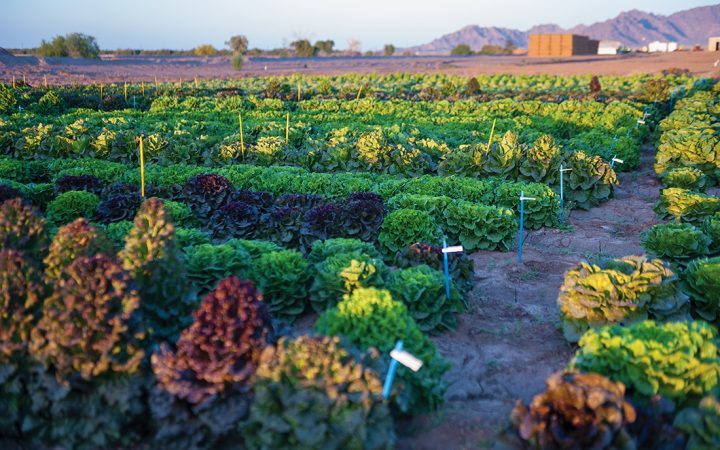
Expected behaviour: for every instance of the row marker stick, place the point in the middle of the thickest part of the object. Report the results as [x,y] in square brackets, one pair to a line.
[287,129]
[492,131]
[522,223]
[242,141]
[446,266]
[142,168]
[398,355]
[562,190]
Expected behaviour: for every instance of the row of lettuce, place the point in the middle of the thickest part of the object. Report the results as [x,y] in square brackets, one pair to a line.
[391,136]
[647,371]
[400,86]
[250,202]
[156,336]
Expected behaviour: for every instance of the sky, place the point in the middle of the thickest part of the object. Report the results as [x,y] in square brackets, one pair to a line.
[184,24]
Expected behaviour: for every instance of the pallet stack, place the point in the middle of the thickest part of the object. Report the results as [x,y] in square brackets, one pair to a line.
[561,45]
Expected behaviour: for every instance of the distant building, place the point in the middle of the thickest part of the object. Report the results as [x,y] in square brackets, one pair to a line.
[714,44]
[561,45]
[658,46]
[609,47]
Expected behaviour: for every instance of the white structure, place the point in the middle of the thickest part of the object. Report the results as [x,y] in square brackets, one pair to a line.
[609,47]
[658,46]
[714,44]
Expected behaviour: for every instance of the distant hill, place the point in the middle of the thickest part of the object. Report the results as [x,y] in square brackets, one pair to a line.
[632,28]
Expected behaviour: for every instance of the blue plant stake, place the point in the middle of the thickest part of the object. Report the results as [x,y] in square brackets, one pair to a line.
[446,269]
[390,377]
[562,193]
[134,103]
[522,224]
[612,145]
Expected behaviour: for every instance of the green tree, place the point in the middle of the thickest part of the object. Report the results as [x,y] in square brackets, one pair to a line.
[325,46]
[205,50]
[462,50]
[238,44]
[389,50]
[74,45]
[303,48]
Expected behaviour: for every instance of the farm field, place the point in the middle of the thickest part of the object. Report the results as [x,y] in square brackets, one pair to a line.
[228,263]
[122,68]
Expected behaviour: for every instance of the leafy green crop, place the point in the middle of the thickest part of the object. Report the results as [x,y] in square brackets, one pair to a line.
[622,291]
[678,360]
[686,206]
[321,250]
[711,228]
[460,266]
[702,424]
[422,290]
[404,227]
[22,229]
[677,242]
[153,259]
[341,274]
[371,318]
[71,205]
[203,384]
[72,241]
[577,411]
[477,227]
[207,264]
[310,393]
[685,178]
[283,277]
[590,182]
[21,294]
[701,281]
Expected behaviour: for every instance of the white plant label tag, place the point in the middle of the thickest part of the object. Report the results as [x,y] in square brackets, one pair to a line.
[406,359]
[454,249]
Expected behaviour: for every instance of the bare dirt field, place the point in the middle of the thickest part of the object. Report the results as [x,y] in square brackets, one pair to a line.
[509,341]
[146,68]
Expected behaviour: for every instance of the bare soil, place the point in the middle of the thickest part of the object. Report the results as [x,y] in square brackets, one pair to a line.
[147,68]
[509,341]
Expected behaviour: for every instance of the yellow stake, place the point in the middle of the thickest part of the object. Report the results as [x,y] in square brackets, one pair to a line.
[359,92]
[196,83]
[24,80]
[13,82]
[287,129]
[242,141]
[125,87]
[156,84]
[298,91]
[142,168]
[492,130]
[45,81]
[142,86]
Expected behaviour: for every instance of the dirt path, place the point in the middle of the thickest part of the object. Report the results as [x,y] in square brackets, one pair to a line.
[508,343]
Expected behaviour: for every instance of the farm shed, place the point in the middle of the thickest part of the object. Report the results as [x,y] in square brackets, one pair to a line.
[658,46]
[609,47]
[561,45]
[714,44]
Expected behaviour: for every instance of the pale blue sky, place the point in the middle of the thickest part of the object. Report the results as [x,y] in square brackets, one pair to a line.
[274,23]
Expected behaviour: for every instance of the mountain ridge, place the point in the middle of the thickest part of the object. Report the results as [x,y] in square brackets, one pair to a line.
[633,28]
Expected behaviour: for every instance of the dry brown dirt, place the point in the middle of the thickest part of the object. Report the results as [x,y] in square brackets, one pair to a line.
[147,68]
[509,341]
